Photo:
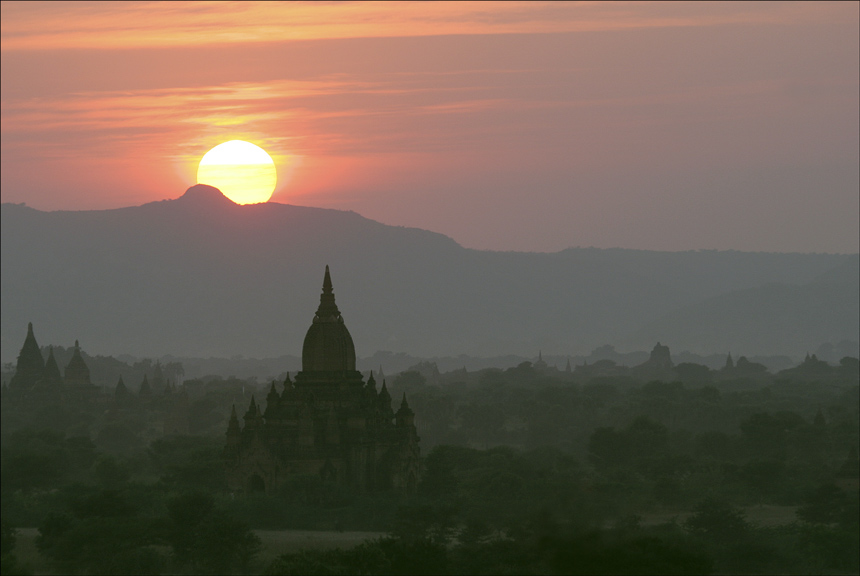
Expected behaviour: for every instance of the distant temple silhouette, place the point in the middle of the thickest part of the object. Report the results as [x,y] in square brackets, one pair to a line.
[327,423]
[36,381]
[32,372]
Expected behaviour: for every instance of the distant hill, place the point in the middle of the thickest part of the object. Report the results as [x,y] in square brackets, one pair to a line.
[770,318]
[201,276]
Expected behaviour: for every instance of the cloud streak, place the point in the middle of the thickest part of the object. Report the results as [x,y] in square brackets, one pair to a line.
[112,25]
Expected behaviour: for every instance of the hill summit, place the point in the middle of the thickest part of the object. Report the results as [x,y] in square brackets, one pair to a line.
[205,194]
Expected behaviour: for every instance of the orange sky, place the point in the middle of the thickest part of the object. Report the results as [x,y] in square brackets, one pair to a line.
[515,126]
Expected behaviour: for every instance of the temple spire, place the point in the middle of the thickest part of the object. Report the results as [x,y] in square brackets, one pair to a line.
[405,417]
[52,370]
[233,426]
[272,400]
[327,281]
[252,409]
[145,389]
[121,391]
[327,311]
[77,373]
[30,368]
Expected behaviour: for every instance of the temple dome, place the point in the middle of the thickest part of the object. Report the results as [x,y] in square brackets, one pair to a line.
[328,347]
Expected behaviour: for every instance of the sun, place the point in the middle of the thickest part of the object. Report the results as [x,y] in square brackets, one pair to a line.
[243,172]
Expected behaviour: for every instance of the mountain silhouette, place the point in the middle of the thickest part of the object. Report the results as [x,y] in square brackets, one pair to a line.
[205,195]
[202,276]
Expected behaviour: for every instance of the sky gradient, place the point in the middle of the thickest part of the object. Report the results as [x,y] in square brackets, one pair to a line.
[513,126]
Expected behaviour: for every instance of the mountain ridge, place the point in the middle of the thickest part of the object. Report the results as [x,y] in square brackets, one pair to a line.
[210,278]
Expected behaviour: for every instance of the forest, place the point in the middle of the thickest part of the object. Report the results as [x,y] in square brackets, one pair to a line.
[600,468]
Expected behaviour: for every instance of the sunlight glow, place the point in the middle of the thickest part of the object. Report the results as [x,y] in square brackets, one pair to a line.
[243,172]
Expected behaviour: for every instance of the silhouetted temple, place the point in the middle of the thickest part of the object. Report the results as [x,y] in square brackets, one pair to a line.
[30,368]
[77,373]
[329,422]
[52,374]
[33,372]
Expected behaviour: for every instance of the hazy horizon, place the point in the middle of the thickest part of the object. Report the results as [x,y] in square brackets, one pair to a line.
[202,276]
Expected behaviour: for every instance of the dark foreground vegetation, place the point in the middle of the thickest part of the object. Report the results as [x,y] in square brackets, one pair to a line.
[531,470]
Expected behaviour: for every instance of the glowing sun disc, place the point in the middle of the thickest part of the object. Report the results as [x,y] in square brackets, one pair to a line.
[243,172]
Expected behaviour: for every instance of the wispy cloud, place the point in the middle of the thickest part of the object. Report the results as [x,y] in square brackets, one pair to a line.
[111,25]
[333,116]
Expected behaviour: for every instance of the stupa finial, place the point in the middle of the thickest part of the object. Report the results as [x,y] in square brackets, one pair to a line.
[327,312]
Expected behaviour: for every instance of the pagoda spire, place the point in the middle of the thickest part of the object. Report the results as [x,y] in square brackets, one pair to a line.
[272,400]
[383,400]
[327,311]
[288,387]
[121,391]
[327,281]
[384,395]
[52,370]
[405,417]
[252,409]
[30,367]
[233,426]
[77,373]
[145,389]
[234,436]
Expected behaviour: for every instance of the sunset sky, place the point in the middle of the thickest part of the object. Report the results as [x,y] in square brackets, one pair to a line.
[512,126]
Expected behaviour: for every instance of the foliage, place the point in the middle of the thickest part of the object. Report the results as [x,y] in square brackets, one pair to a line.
[8,561]
[42,458]
[207,539]
[383,556]
[824,505]
[523,471]
[595,553]
[189,462]
[717,519]
[100,544]
[499,486]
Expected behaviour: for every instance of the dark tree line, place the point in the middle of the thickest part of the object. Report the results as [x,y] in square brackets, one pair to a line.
[600,469]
